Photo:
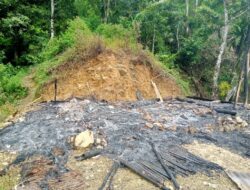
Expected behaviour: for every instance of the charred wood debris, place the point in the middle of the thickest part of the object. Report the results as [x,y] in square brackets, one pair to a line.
[144,136]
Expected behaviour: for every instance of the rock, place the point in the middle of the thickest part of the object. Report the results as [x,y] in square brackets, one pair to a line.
[244,124]
[5,163]
[98,141]
[84,139]
[149,125]
[147,117]
[226,129]
[191,130]
[99,147]
[21,119]
[111,107]
[239,120]
[101,142]
[159,126]
[74,100]
[104,143]
[173,128]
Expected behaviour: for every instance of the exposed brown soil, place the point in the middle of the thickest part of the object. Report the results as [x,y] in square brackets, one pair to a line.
[110,76]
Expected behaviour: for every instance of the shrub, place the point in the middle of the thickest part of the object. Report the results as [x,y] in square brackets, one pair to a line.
[77,43]
[77,27]
[116,35]
[11,89]
[167,62]
[224,87]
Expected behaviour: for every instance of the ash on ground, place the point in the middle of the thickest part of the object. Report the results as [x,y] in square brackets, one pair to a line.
[127,130]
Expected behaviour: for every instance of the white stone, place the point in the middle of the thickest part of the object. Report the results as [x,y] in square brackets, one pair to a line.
[98,141]
[244,124]
[84,139]
[239,120]
[149,125]
[21,119]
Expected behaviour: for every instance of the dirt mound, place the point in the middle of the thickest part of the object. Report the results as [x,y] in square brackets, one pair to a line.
[110,76]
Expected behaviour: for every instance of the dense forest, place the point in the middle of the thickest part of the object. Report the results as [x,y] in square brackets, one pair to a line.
[206,41]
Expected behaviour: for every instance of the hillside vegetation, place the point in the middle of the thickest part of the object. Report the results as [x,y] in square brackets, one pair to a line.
[72,50]
[201,45]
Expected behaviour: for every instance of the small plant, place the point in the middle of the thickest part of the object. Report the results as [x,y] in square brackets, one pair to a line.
[224,87]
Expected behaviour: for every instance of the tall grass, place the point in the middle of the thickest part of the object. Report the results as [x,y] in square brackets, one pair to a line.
[11,88]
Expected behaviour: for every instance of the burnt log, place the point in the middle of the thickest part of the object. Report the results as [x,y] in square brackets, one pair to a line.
[224,111]
[110,175]
[144,175]
[55,88]
[200,98]
[156,169]
[168,171]
[184,169]
[88,155]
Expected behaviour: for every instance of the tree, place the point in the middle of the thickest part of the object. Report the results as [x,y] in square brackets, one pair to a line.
[246,89]
[52,29]
[187,15]
[247,77]
[26,25]
[106,10]
[222,50]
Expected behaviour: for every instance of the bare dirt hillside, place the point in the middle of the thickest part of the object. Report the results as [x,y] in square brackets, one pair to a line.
[110,76]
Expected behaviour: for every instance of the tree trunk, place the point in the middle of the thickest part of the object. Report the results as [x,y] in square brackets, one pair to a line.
[238,88]
[177,38]
[52,30]
[196,3]
[153,41]
[246,86]
[222,50]
[106,10]
[187,15]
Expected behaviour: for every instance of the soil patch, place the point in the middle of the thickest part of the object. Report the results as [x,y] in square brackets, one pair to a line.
[221,156]
[110,76]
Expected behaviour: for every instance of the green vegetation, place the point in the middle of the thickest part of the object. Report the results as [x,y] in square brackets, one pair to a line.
[11,89]
[64,46]
[167,62]
[10,83]
[185,36]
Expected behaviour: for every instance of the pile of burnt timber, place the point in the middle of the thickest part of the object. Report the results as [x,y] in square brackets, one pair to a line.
[170,162]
